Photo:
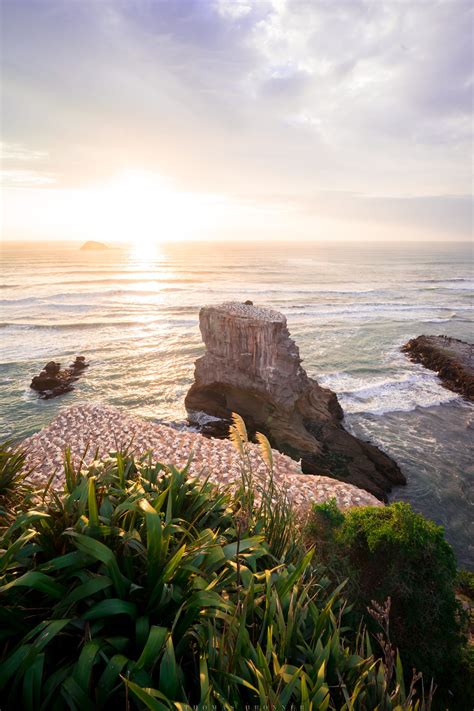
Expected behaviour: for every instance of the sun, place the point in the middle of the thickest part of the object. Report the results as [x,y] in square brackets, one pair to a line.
[140,207]
[144,209]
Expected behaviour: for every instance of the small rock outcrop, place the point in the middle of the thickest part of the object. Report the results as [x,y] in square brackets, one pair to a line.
[93,245]
[452,359]
[52,381]
[252,366]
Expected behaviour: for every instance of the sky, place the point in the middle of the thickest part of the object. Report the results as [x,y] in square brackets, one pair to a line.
[165,120]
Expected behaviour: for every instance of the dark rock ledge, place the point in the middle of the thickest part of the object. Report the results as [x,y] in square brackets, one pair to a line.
[54,381]
[252,366]
[452,359]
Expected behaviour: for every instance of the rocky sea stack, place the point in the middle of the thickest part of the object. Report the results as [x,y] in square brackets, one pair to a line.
[252,366]
[452,359]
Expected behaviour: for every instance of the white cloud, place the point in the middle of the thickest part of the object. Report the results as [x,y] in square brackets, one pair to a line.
[248,98]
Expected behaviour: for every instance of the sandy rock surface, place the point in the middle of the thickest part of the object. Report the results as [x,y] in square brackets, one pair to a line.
[86,429]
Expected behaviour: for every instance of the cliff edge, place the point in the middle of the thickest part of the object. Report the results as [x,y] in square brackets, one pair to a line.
[253,367]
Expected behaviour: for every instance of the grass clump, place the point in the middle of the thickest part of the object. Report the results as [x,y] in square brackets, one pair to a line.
[15,491]
[140,587]
[394,553]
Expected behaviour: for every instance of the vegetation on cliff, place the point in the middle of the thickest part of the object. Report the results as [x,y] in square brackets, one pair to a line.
[140,587]
[395,553]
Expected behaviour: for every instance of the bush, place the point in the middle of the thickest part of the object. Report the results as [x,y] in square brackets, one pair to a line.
[393,552]
[465,583]
[140,587]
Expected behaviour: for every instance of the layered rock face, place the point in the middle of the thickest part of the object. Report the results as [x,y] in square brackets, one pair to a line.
[452,359]
[253,367]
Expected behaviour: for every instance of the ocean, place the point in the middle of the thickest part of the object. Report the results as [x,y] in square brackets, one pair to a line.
[133,312]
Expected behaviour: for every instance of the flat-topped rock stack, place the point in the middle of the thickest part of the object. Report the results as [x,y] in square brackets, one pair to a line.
[253,367]
[90,429]
[452,359]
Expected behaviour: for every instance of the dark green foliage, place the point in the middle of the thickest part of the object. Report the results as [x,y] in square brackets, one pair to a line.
[465,583]
[139,587]
[14,491]
[394,552]
[465,593]
[329,515]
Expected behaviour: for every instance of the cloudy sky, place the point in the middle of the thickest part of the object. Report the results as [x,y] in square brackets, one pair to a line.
[254,119]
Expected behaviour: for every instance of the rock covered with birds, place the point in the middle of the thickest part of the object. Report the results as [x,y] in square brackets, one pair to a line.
[91,432]
[253,367]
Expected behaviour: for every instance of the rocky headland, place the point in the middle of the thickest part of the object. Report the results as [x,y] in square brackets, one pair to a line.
[54,380]
[253,367]
[452,359]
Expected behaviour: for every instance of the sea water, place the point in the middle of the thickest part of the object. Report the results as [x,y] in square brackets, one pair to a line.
[133,312]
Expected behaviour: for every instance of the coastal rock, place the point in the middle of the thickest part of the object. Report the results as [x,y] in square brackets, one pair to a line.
[52,368]
[452,359]
[79,363]
[52,381]
[252,366]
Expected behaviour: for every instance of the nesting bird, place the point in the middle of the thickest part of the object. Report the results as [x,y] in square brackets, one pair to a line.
[87,429]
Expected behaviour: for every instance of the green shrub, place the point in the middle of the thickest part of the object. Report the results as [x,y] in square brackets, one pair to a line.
[140,587]
[393,552]
[465,583]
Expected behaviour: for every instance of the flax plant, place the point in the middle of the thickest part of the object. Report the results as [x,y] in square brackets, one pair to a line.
[132,589]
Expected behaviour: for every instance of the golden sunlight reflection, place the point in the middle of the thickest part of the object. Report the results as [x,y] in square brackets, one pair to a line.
[144,251]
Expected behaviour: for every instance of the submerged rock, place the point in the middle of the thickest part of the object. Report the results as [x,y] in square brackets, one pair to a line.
[79,363]
[252,366]
[452,359]
[52,381]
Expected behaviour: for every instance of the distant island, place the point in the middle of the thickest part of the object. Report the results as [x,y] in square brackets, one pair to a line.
[93,245]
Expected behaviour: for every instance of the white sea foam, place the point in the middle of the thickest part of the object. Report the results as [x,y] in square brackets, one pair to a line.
[401,392]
